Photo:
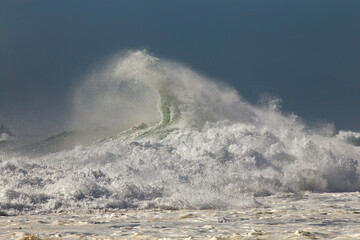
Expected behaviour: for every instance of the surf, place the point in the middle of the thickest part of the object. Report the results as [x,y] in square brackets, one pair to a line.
[160,135]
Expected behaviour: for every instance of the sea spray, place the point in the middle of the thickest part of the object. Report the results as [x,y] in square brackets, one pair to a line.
[175,140]
[156,88]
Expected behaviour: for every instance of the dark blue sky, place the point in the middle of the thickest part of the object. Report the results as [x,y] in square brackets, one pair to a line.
[305,52]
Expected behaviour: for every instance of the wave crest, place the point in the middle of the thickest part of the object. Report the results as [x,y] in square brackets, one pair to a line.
[137,87]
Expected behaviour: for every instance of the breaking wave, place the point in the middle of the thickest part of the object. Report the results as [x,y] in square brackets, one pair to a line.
[139,88]
[173,139]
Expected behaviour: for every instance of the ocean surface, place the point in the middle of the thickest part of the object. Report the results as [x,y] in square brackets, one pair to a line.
[148,133]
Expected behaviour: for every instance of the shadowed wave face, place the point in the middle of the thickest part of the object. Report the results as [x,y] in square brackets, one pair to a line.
[171,138]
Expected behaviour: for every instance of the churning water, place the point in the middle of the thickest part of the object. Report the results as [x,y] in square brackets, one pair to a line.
[171,138]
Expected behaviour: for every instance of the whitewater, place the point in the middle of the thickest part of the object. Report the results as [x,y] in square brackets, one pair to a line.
[153,134]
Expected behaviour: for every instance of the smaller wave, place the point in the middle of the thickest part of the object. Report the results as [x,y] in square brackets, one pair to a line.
[350,137]
[6,134]
[5,137]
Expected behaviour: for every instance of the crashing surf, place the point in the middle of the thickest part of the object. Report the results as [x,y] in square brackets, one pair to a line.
[171,138]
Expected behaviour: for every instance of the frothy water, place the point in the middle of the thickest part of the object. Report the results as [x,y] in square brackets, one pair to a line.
[174,139]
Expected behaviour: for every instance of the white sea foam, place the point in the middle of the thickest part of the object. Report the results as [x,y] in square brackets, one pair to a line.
[201,146]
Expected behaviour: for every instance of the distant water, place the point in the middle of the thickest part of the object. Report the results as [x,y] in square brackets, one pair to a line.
[152,133]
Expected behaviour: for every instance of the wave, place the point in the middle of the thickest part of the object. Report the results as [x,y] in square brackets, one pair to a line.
[139,88]
[174,139]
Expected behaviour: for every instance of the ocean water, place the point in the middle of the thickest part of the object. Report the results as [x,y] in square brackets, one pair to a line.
[148,133]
